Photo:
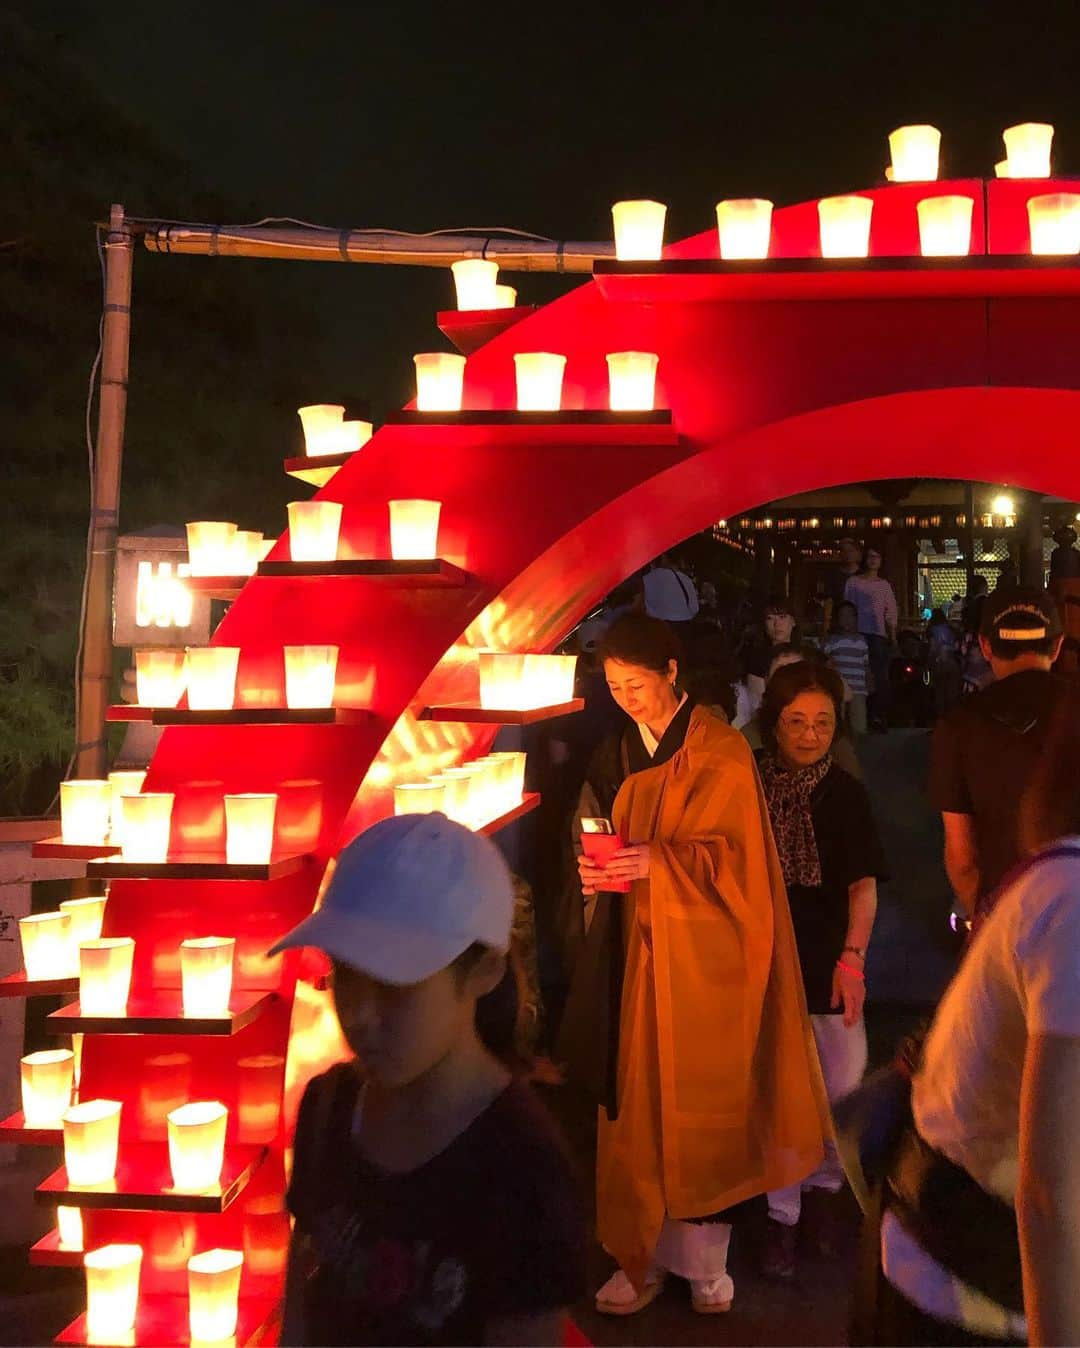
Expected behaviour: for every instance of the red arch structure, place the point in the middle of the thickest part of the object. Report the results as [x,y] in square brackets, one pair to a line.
[780,376]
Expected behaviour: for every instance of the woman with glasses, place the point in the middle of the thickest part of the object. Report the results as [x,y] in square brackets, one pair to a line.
[832,860]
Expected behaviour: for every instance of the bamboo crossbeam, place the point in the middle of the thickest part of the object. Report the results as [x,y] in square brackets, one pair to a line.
[329,245]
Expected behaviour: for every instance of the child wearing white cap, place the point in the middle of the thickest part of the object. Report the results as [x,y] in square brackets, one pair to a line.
[433,1201]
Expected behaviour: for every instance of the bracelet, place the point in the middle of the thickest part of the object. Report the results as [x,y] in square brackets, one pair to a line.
[850,969]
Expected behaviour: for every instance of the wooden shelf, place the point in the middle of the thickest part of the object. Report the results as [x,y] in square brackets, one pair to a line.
[56,849]
[317,469]
[15,1132]
[528,802]
[470,713]
[143,1183]
[18,985]
[588,427]
[216,587]
[48,1251]
[469,329]
[195,867]
[162,1321]
[122,712]
[407,574]
[162,1013]
[162,716]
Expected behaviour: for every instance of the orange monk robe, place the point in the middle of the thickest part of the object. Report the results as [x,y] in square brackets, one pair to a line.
[720,1091]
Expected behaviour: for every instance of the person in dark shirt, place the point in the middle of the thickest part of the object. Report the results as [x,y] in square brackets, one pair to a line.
[984,752]
[433,1202]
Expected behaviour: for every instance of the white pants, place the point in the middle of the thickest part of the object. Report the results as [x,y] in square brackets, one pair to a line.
[696,1251]
[842,1051]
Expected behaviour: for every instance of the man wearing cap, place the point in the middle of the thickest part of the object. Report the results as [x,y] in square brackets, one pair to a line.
[983,753]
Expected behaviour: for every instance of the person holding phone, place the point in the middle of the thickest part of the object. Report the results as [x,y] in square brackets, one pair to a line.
[687,1013]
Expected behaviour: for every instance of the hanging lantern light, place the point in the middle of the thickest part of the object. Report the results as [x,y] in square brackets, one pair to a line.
[206,974]
[844,224]
[46,945]
[639,230]
[84,811]
[211,677]
[310,673]
[440,381]
[321,423]
[945,226]
[91,1141]
[246,552]
[47,1081]
[505,297]
[414,529]
[500,680]
[745,227]
[146,826]
[1027,149]
[84,922]
[420,797]
[313,530]
[474,280]
[105,975]
[210,547]
[539,376]
[632,380]
[122,783]
[112,1292]
[213,1292]
[549,680]
[249,827]
[915,151]
[1054,222]
[160,675]
[69,1225]
[197,1144]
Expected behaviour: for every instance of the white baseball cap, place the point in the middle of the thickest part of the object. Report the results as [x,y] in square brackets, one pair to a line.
[408,896]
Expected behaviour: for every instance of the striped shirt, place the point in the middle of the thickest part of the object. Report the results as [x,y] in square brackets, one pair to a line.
[851,656]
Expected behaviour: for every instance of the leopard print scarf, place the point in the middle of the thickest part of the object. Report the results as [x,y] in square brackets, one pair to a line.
[788,795]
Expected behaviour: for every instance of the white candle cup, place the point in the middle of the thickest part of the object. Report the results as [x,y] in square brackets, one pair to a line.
[460,794]
[197,1144]
[213,1293]
[84,811]
[314,528]
[351,436]
[515,774]
[632,380]
[639,230]
[246,552]
[147,820]
[1054,221]
[105,975]
[310,672]
[206,974]
[85,917]
[744,227]
[539,378]
[501,675]
[474,282]
[160,676]
[440,381]
[249,827]
[112,1292]
[1027,149]
[505,297]
[321,423]
[945,226]
[414,529]
[92,1141]
[69,1227]
[915,152]
[122,783]
[48,1078]
[844,223]
[420,797]
[549,680]
[210,547]
[46,945]
[211,677]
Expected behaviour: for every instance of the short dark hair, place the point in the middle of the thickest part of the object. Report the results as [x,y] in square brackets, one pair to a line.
[778,603]
[786,684]
[637,639]
[1050,807]
[846,603]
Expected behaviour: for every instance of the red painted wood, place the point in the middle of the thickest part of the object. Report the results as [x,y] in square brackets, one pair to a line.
[18,985]
[14,1132]
[470,329]
[529,801]
[48,1251]
[162,1321]
[144,1183]
[162,1012]
[476,715]
[56,849]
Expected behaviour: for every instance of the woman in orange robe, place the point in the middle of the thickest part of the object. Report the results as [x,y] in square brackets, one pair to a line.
[719,1093]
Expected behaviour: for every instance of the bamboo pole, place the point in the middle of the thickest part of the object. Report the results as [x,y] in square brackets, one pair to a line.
[95,673]
[329,245]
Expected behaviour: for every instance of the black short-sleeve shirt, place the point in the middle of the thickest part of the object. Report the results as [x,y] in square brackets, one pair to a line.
[849,849]
[492,1226]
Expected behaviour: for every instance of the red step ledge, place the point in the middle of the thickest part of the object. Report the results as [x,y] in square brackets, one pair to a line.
[56,849]
[14,1131]
[49,1252]
[143,1183]
[18,985]
[195,866]
[470,329]
[162,1321]
[528,802]
[470,713]
[163,1013]
[588,427]
[216,587]
[162,716]
[408,574]
[317,469]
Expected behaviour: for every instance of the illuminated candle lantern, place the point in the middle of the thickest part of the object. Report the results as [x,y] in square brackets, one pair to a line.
[632,380]
[474,280]
[353,435]
[105,975]
[147,824]
[501,674]
[515,774]
[160,675]
[915,151]
[639,230]
[211,677]
[84,922]
[112,1292]
[91,1141]
[1027,149]
[321,423]
[313,530]
[309,675]
[246,552]
[122,783]
[249,827]
[745,227]
[1001,169]
[455,787]
[46,945]
[420,797]
[47,1081]
[69,1225]
[945,226]
[183,601]
[440,381]
[206,974]
[210,547]
[197,1144]
[414,529]
[259,1084]
[213,1291]
[539,376]
[268,546]
[549,679]
[84,810]
[844,223]
[505,297]
[1054,221]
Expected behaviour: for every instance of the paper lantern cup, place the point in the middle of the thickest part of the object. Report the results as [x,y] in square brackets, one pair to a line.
[505,297]
[460,795]
[744,226]
[122,783]
[414,529]
[91,1141]
[310,672]
[915,152]
[105,975]
[85,917]
[1054,221]
[84,811]
[211,677]
[945,226]
[420,797]
[639,230]
[69,1227]
[206,974]
[321,423]
[1027,149]
[844,223]
[213,1291]
[112,1291]
[548,680]
[314,527]
[515,770]
[249,827]
[440,381]
[197,1144]
[246,552]
[46,945]
[539,378]
[47,1081]
[474,282]
[632,380]
[210,547]
[501,674]
[160,677]
[147,824]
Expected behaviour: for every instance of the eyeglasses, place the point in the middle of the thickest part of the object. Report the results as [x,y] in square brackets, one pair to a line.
[798,725]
